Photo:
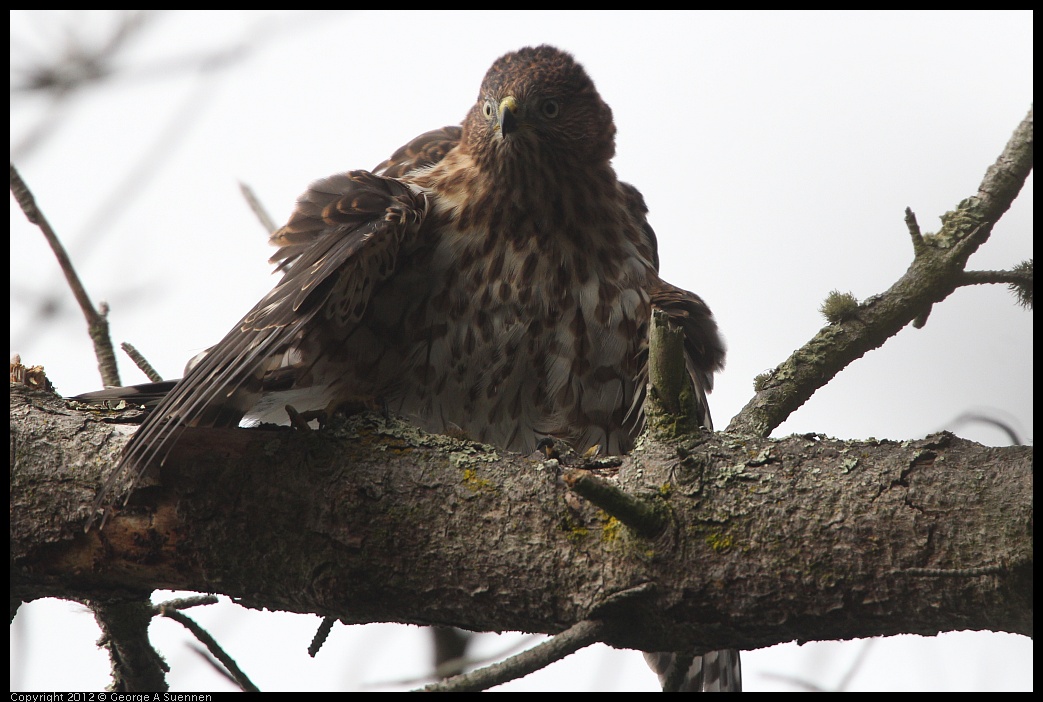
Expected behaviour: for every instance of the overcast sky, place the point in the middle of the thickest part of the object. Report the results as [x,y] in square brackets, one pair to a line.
[776,151]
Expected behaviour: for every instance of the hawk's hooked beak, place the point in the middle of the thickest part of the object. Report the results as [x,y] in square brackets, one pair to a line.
[507,117]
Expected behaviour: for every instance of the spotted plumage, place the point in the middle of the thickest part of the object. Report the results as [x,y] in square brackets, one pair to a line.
[494,279]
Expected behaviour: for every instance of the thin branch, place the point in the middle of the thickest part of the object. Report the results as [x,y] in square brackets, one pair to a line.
[320,636]
[97,324]
[186,602]
[994,277]
[920,250]
[564,644]
[856,665]
[215,649]
[67,71]
[212,663]
[1019,279]
[455,665]
[1005,426]
[148,166]
[919,245]
[937,269]
[141,362]
[257,208]
[451,667]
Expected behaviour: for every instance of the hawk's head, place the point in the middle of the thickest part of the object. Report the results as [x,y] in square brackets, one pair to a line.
[538,108]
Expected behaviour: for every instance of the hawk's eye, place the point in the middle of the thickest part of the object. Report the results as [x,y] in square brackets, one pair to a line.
[487,109]
[550,108]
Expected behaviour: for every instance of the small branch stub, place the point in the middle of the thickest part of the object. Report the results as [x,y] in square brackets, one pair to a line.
[670,404]
[644,518]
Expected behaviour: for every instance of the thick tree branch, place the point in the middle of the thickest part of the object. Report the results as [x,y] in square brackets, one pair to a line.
[770,540]
[136,666]
[937,269]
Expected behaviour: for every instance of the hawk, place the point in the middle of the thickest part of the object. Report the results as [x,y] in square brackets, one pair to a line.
[493,279]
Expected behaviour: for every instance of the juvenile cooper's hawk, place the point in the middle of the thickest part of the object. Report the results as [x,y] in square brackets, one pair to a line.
[494,279]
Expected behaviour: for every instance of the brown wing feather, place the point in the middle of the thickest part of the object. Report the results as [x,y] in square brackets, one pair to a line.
[346,234]
[704,347]
[426,150]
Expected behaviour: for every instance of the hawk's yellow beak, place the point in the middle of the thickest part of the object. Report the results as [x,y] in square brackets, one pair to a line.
[508,118]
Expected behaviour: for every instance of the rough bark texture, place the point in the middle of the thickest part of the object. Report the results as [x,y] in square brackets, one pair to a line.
[769,540]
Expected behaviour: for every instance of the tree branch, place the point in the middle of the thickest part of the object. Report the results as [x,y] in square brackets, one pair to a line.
[231,668]
[1018,279]
[936,271]
[97,324]
[136,666]
[580,635]
[770,540]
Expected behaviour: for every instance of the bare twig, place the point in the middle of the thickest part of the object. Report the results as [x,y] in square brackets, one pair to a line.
[215,649]
[257,208]
[564,644]
[1019,279]
[320,636]
[919,245]
[67,70]
[141,362]
[937,269]
[1007,426]
[455,665]
[186,602]
[97,324]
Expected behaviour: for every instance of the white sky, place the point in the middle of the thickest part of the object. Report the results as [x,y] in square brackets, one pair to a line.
[776,151]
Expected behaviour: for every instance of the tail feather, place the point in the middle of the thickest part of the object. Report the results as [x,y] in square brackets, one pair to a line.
[683,671]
